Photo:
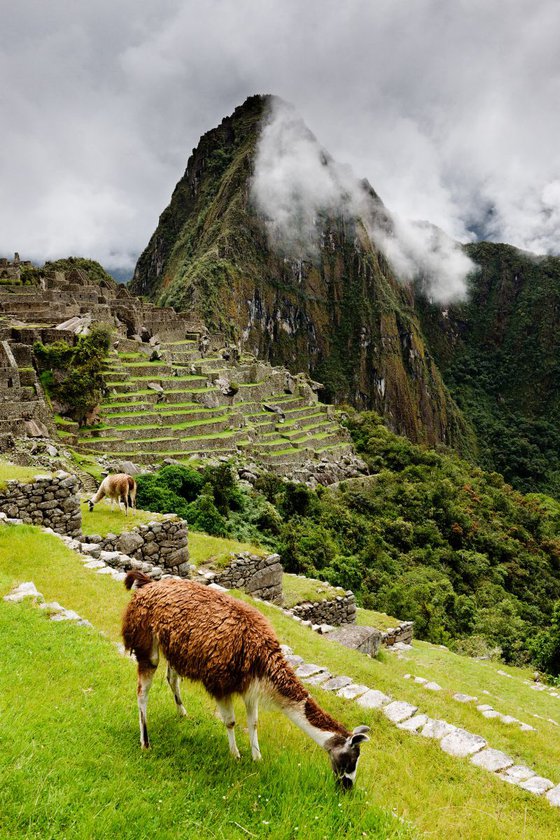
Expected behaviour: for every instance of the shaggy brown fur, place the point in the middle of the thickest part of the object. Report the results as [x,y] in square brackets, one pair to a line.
[231,648]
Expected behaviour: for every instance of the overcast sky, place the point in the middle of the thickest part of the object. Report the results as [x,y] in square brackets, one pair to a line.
[450,108]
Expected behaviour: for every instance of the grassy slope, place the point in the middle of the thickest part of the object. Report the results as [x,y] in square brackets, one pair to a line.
[9,471]
[85,737]
[106,519]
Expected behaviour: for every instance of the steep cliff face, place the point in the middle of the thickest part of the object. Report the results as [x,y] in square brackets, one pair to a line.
[499,352]
[341,316]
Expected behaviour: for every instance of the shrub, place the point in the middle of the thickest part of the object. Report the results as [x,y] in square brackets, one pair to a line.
[72,375]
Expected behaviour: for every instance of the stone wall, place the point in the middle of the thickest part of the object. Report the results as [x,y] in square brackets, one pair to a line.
[335,611]
[402,633]
[162,543]
[51,501]
[258,576]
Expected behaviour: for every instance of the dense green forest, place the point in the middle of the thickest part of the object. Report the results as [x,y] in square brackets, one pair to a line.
[427,537]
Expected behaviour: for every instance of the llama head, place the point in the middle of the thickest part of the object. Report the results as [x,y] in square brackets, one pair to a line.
[345,753]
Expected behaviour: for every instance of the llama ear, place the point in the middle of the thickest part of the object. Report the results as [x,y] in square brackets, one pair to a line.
[359,735]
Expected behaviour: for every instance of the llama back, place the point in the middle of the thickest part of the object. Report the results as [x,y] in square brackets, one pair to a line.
[204,635]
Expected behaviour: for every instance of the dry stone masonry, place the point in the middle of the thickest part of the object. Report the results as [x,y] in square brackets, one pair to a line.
[402,633]
[51,501]
[336,611]
[258,576]
[162,544]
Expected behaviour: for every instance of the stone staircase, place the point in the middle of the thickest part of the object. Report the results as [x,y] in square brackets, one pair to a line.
[175,407]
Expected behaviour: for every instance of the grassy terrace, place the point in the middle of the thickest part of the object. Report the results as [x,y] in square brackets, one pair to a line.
[14,471]
[215,550]
[371,618]
[299,589]
[106,519]
[83,736]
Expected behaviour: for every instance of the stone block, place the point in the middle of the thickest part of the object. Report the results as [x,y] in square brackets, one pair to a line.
[492,760]
[437,729]
[373,699]
[461,743]
[364,639]
[399,710]
[537,785]
[413,724]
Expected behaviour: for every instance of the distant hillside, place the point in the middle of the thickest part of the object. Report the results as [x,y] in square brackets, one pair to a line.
[343,317]
[499,353]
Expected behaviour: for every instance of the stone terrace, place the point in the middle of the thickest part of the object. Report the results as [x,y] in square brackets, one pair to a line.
[186,405]
[198,397]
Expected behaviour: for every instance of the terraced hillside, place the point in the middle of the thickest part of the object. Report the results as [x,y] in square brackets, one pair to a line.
[176,408]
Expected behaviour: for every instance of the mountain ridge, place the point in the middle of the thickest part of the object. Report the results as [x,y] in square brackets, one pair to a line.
[344,319]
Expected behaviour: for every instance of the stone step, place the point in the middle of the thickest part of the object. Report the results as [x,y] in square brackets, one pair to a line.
[146,369]
[309,430]
[163,444]
[279,458]
[144,458]
[316,441]
[138,385]
[275,444]
[304,411]
[167,415]
[143,432]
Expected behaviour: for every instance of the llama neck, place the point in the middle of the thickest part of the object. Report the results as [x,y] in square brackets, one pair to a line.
[98,496]
[298,706]
[311,719]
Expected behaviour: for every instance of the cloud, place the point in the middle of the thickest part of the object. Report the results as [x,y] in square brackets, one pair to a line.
[448,109]
[296,184]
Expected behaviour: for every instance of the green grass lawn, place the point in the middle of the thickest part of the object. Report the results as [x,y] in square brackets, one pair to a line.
[71,766]
[215,550]
[24,474]
[105,519]
[371,618]
[299,589]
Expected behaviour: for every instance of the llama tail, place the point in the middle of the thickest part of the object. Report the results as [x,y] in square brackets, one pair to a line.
[138,578]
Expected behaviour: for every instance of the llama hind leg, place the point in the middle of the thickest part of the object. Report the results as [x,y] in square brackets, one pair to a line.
[147,666]
[252,706]
[225,708]
[174,685]
[145,678]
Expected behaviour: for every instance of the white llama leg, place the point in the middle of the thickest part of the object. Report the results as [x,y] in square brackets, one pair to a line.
[174,685]
[145,678]
[252,706]
[225,708]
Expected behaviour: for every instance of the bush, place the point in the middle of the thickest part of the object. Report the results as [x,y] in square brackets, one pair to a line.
[72,375]
[545,648]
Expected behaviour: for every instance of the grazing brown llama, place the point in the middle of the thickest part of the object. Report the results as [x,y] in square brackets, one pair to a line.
[232,649]
[118,487]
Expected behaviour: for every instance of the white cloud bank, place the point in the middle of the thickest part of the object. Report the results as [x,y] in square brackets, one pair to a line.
[448,109]
[295,181]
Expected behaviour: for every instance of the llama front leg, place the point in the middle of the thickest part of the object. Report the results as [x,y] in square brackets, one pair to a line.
[174,685]
[145,678]
[225,708]
[252,706]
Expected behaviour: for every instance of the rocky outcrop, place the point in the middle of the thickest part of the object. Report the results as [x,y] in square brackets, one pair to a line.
[363,639]
[259,576]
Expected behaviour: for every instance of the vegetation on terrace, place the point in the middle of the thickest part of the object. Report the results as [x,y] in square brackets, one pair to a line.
[72,374]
